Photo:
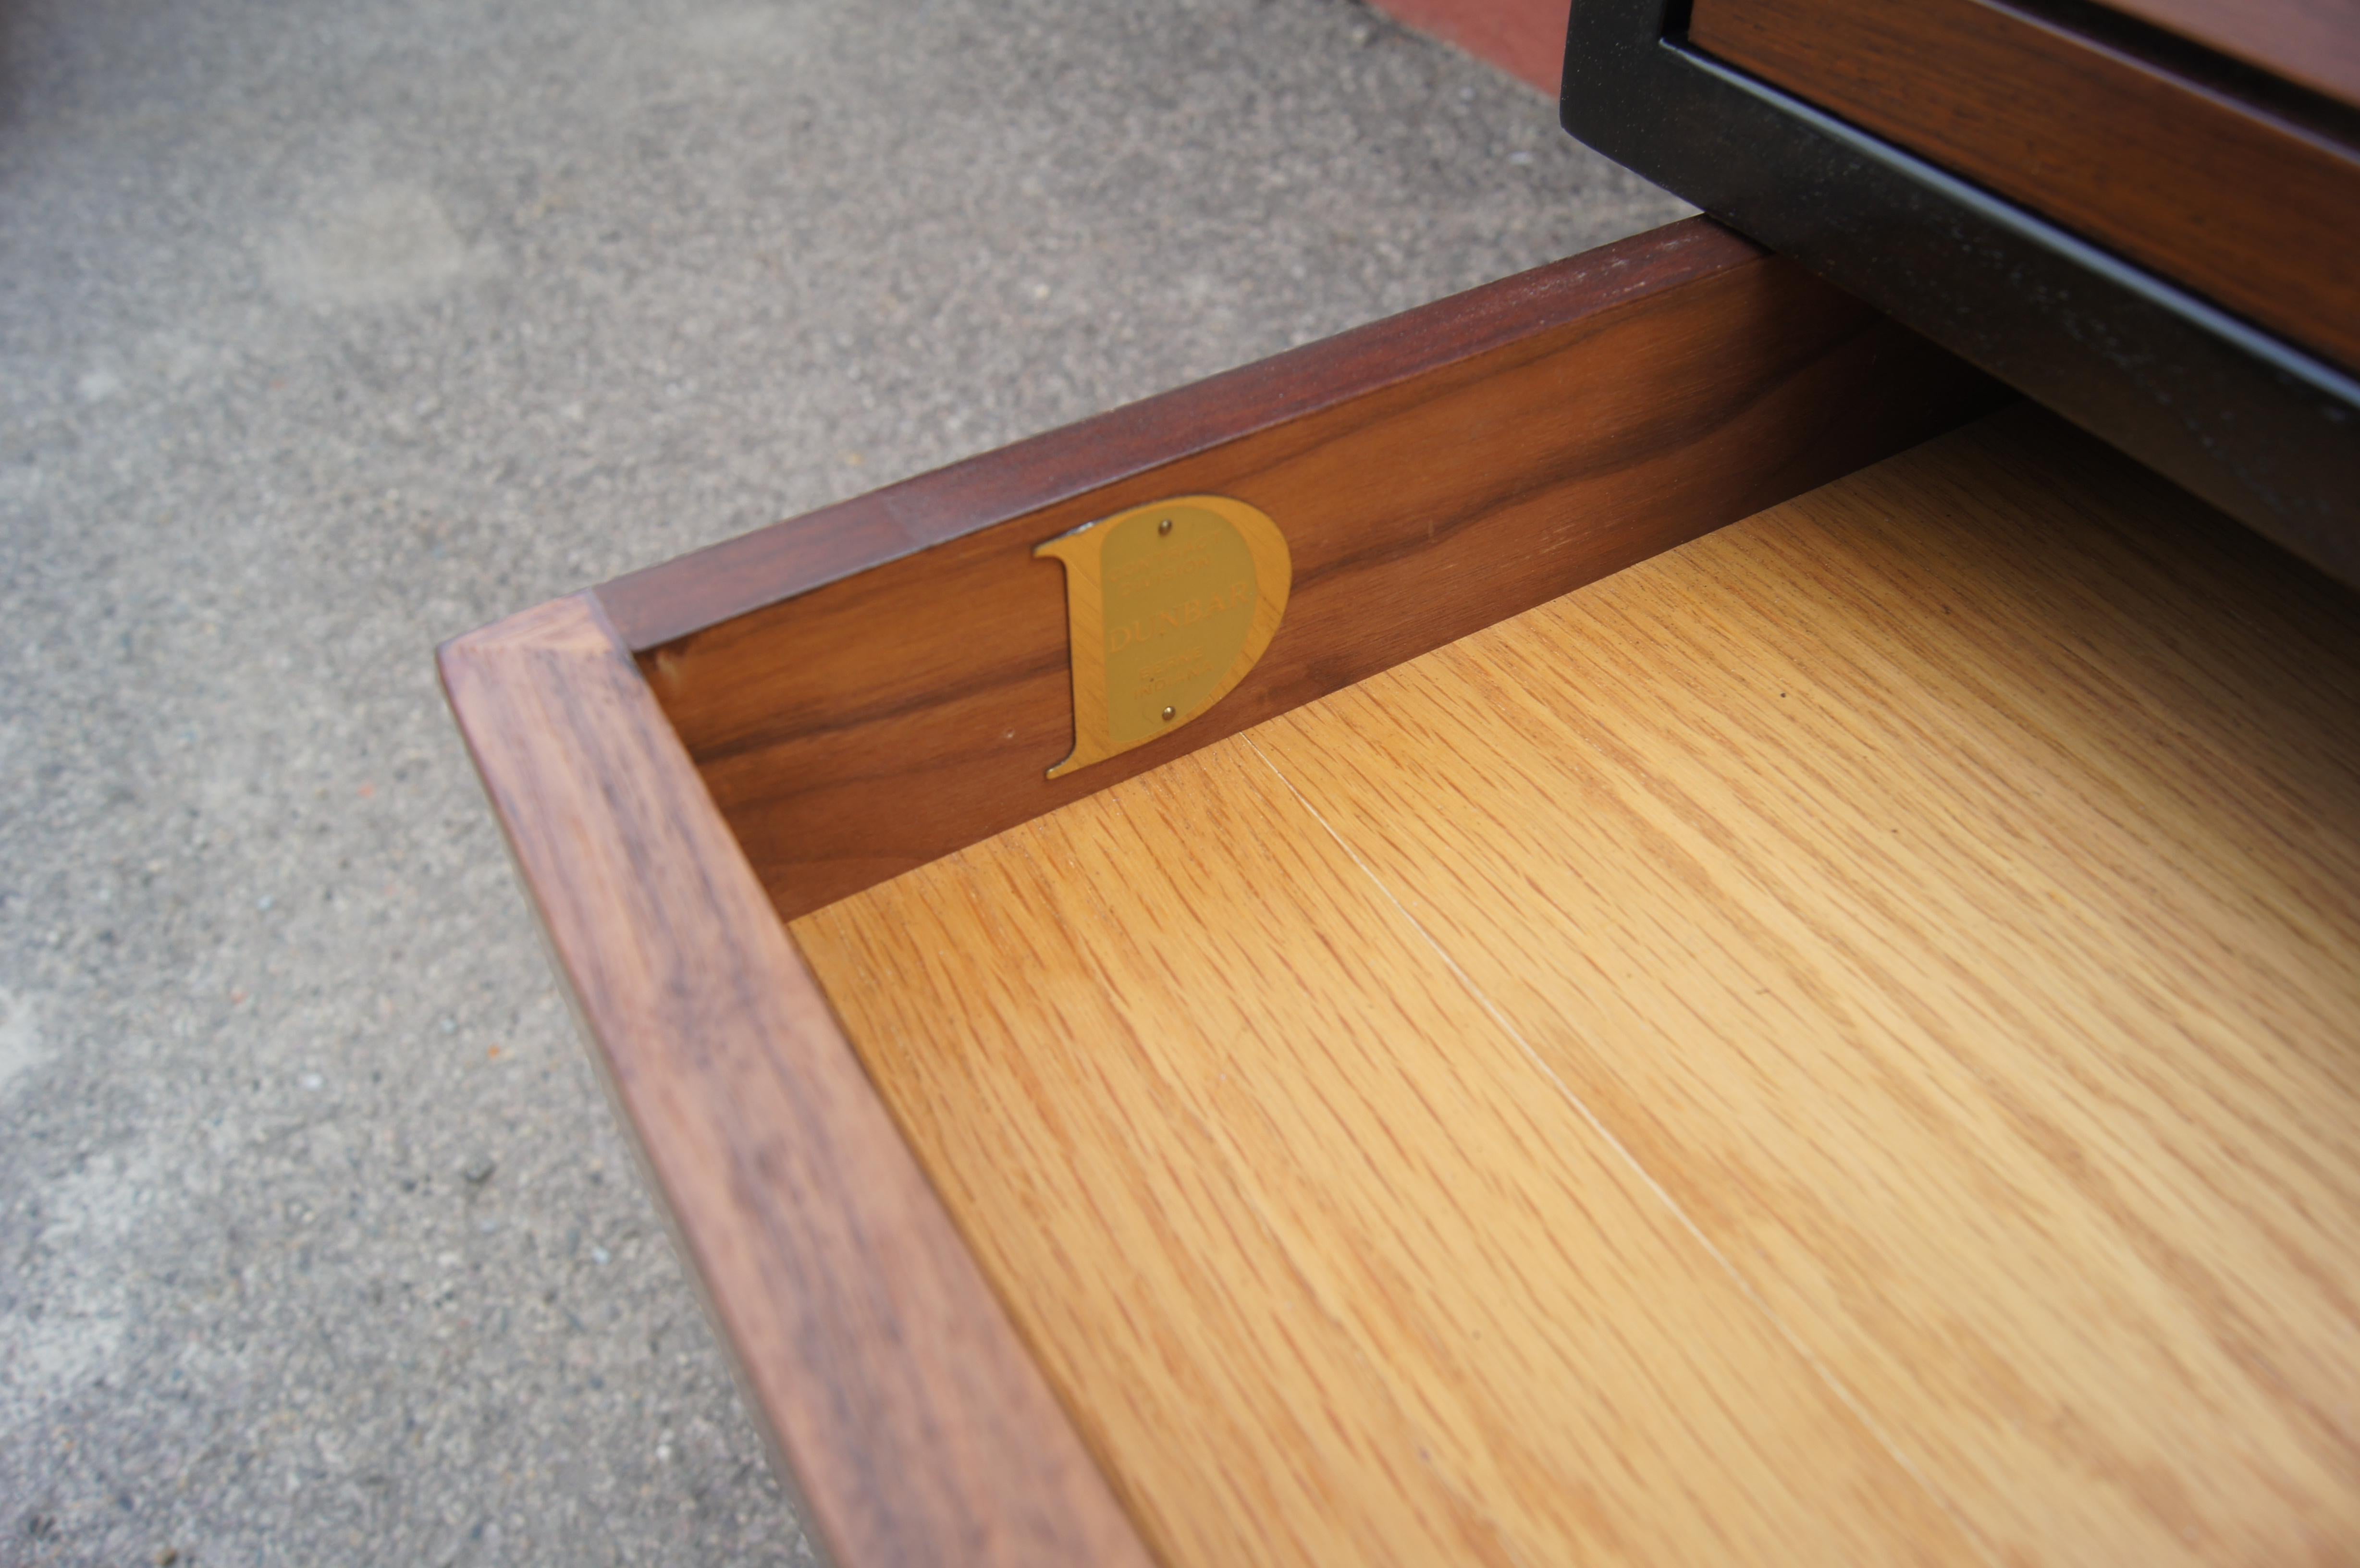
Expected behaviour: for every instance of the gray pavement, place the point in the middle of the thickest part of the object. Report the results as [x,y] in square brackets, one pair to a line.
[329,330]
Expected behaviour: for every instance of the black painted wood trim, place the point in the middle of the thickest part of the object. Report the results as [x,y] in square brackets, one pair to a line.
[2265,432]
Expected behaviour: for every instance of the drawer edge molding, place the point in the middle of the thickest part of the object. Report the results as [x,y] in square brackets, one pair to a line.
[903,1410]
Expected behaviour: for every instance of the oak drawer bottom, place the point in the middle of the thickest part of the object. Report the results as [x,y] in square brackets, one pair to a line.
[1836,1043]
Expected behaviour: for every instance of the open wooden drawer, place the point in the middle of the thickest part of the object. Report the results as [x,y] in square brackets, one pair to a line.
[1835,1039]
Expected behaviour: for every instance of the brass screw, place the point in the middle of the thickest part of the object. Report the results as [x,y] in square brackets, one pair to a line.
[1164,527]
[1168,712]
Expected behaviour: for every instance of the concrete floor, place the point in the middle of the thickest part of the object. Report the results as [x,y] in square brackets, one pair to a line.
[329,330]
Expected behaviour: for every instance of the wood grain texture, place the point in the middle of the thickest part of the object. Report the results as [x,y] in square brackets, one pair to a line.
[1431,474]
[919,1432]
[1328,1271]
[1945,889]
[2254,214]
[2312,43]
[701,590]
[1949,890]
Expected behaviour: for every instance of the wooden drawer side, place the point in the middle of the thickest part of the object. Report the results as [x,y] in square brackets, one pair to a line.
[914,1426]
[871,687]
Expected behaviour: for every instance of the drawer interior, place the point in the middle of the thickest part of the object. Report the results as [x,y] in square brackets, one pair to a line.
[1834,1043]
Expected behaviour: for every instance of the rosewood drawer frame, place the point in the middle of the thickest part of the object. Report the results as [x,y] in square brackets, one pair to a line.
[648,748]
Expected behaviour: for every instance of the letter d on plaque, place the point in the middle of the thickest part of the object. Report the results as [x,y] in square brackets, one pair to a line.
[1168,606]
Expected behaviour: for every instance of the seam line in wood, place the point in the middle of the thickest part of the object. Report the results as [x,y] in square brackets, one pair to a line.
[1819,1369]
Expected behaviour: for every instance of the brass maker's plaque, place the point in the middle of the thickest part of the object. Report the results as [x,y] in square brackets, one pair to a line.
[1168,606]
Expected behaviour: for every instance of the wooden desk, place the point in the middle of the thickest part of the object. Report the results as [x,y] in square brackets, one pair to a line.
[1738,978]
